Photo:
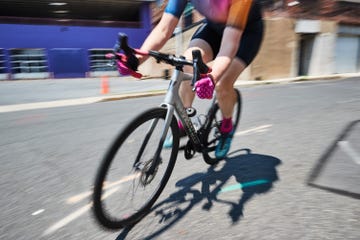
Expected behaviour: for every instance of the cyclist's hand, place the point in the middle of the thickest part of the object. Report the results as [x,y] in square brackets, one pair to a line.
[205,87]
[127,66]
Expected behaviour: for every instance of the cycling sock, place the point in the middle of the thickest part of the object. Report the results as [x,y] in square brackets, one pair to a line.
[226,125]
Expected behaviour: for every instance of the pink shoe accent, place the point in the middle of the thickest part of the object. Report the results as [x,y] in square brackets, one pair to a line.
[226,125]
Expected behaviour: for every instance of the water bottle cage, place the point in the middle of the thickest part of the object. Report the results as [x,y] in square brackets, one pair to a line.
[191,112]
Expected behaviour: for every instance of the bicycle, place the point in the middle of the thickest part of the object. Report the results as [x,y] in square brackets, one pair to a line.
[145,135]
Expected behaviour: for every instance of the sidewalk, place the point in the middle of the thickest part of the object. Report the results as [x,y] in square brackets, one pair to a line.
[37,94]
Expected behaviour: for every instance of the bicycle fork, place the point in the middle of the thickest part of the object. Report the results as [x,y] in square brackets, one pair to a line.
[156,159]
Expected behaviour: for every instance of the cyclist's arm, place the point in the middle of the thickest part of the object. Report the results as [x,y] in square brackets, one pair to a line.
[229,46]
[160,34]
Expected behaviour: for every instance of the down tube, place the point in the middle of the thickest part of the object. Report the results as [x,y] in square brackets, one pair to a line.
[189,127]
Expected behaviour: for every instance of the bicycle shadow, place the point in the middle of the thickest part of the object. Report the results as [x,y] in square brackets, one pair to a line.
[254,174]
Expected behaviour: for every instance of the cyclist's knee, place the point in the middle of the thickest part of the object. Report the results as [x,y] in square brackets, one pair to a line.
[223,89]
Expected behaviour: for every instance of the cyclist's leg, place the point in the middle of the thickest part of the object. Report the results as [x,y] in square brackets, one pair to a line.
[227,98]
[248,49]
[224,88]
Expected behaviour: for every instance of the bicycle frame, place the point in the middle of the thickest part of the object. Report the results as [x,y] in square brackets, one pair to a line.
[172,100]
[174,103]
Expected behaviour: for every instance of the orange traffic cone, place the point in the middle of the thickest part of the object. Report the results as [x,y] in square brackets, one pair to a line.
[105,85]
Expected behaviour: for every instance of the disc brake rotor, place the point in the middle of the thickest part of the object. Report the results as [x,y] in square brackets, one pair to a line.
[146,177]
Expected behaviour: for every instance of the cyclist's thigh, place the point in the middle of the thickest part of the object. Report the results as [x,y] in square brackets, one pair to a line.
[249,46]
[250,42]
[206,40]
[228,79]
[252,36]
[205,49]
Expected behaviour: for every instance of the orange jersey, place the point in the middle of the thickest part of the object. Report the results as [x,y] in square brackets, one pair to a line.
[233,13]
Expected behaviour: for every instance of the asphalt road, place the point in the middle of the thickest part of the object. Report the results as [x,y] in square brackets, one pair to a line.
[49,158]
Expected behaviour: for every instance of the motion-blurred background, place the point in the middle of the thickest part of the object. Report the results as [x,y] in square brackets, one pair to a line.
[57,39]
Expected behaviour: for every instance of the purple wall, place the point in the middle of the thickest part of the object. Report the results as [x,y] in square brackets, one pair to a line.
[40,36]
[83,37]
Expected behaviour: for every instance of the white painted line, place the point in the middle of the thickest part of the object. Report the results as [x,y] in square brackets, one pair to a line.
[349,100]
[107,185]
[65,221]
[78,198]
[124,179]
[259,129]
[351,152]
[73,216]
[38,212]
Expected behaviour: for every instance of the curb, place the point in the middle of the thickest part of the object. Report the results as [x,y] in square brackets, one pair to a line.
[297,79]
[132,95]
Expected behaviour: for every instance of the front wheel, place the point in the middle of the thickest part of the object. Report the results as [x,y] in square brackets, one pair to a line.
[135,170]
[211,130]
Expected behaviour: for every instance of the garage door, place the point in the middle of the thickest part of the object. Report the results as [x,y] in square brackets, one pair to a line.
[68,62]
[347,54]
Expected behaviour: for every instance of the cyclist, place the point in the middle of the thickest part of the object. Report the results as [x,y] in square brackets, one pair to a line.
[230,37]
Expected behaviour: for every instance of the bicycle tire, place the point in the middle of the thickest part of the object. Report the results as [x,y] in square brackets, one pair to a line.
[102,215]
[212,129]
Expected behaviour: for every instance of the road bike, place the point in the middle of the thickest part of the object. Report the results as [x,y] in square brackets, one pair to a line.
[137,165]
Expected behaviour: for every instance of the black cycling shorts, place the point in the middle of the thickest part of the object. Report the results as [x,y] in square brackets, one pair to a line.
[250,41]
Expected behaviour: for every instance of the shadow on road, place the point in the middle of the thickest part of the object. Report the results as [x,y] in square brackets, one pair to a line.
[338,168]
[254,174]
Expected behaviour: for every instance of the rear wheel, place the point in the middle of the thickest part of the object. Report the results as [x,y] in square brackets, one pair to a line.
[134,171]
[212,134]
